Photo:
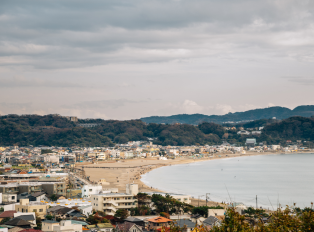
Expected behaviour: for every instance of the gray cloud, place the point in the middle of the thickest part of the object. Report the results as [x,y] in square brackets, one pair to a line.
[21,82]
[58,34]
[112,58]
[301,80]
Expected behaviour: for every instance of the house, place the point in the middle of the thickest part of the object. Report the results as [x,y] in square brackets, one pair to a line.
[238,206]
[250,142]
[59,211]
[128,227]
[86,210]
[216,212]
[243,132]
[107,227]
[211,221]
[196,218]
[8,197]
[136,221]
[47,225]
[26,206]
[7,214]
[185,224]
[19,222]
[65,225]
[30,217]
[158,222]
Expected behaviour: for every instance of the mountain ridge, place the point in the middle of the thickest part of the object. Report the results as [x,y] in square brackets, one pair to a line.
[249,115]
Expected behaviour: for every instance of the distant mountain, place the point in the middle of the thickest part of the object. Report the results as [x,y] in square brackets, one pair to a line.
[256,114]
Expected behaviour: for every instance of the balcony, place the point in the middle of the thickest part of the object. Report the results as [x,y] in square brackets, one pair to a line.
[111,208]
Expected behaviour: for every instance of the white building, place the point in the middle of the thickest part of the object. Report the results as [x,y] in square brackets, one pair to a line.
[111,202]
[89,190]
[86,210]
[179,197]
[63,226]
[114,153]
[243,132]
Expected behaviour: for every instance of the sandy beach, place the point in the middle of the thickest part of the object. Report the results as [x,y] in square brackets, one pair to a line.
[118,174]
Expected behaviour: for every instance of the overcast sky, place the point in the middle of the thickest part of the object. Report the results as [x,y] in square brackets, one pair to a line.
[126,59]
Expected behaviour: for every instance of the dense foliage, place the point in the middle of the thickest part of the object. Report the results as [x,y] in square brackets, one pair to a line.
[169,205]
[52,130]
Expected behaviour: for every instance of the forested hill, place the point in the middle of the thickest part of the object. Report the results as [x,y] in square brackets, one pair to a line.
[51,130]
[256,114]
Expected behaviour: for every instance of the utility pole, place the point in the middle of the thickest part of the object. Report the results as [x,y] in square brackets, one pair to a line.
[207,198]
[256,201]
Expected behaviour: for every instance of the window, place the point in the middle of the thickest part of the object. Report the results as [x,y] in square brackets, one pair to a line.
[35,210]
[90,190]
[41,210]
[84,190]
[13,197]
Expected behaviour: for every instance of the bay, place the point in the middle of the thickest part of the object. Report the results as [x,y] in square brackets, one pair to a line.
[276,180]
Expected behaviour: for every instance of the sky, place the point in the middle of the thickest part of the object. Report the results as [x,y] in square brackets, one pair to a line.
[122,59]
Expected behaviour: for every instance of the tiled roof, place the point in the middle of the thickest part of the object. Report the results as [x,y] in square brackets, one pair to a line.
[126,226]
[27,217]
[159,220]
[18,222]
[9,213]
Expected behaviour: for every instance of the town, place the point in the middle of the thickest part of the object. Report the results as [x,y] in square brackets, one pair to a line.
[47,188]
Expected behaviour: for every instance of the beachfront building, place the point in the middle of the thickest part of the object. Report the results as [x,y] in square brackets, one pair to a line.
[111,202]
[179,197]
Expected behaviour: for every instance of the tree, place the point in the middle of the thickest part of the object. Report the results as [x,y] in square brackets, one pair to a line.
[4,220]
[49,217]
[121,213]
[53,197]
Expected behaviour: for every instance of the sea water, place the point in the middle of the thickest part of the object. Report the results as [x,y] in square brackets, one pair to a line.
[275,180]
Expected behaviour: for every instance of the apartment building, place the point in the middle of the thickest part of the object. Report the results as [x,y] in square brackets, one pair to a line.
[30,187]
[54,188]
[26,206]
[111,202]
[10,188]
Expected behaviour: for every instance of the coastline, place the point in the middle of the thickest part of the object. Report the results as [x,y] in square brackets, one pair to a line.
[118,174]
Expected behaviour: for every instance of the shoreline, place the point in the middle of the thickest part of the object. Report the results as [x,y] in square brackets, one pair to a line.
[118,174]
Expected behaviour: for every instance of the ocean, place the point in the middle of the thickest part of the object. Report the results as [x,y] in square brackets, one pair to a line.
[276,180]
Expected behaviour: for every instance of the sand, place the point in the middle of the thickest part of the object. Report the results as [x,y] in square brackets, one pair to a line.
[118,174]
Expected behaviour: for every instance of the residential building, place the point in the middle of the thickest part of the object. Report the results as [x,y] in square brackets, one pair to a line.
[26,206]
[54,188]
[47,225]
[9,188]
[250,142]
[89,190]
[67,225]
[111,202]
[74,193]
[158,222]
[30,187]
[128,227]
